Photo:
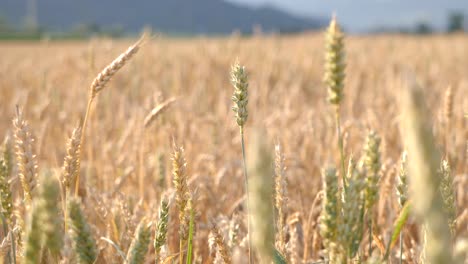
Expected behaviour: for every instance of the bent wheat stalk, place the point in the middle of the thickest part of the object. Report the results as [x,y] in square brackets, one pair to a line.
[99,84]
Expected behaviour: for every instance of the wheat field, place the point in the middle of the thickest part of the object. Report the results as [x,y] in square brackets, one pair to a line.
[129,161]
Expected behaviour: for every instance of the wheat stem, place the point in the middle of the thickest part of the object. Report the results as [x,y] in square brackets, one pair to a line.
[401,246]
[83,131]
[246,186]
[191,231]
[340,144]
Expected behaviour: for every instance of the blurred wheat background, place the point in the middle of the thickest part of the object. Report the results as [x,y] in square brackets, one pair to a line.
[126,167]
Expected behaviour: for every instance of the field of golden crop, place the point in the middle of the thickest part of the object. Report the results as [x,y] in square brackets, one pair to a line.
[126,167]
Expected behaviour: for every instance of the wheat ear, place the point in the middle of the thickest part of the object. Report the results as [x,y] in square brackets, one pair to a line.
[222,251]
[83,242]
[179,166]
[33,239]
[49,218]
[71,160]
[372,163]
[448,194]
[402,191]
[330,212]
[8,154]
[5,192]
[161,230]
[350,228]
[139,246]
[26,159]
[157,111]
[281,198]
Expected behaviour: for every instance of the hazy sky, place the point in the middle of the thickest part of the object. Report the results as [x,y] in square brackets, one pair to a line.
[359,15]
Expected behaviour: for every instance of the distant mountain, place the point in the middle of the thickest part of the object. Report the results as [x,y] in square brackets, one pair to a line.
[364,15]
[173,16]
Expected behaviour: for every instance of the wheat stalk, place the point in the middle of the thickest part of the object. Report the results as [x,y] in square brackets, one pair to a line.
[33,239]
[7,155]
[222,251]
[330,211]
[157,111]
[5,192]
[179,166]
[448,194]
[350,228]
[99,83]
[423,178]
[71,160]
[281,199]
[161,230]
[49,217]
[402,191]
[83,242]
[190,215]
[334,78]
[139,246]
[26,159]
[372,165]
[239,80]
[261,193]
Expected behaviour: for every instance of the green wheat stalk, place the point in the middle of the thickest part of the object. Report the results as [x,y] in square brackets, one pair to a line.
[239,80]
[139,246]
[334,79]
[83,242]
